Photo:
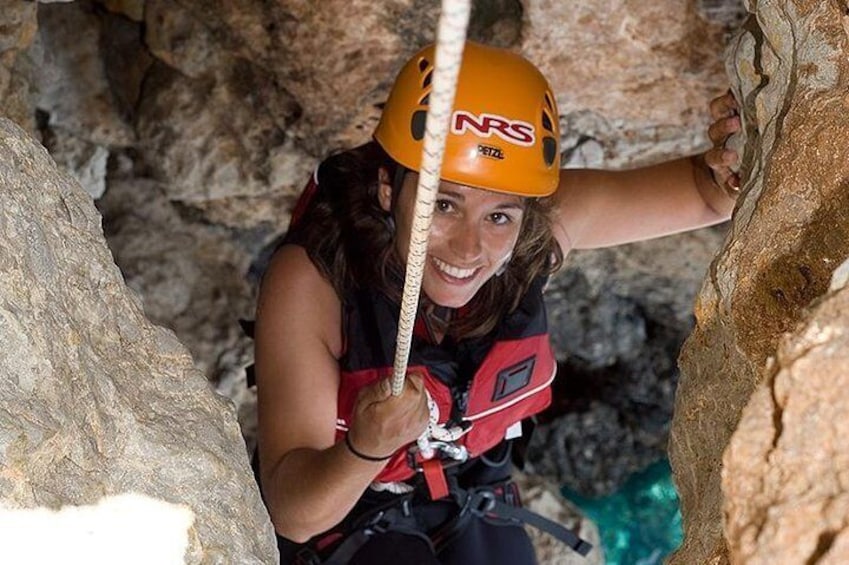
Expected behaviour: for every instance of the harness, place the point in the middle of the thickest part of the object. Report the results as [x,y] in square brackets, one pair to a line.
[498,504]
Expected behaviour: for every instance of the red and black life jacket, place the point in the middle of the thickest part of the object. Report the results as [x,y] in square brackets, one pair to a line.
[487,384]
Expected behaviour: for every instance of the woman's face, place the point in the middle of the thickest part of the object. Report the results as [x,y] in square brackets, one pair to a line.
[472,235]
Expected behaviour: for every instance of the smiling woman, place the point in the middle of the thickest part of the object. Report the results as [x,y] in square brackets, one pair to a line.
[471,238]
[338,462]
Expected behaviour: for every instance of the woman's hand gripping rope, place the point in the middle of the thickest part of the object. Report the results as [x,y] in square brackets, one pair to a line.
[383,423]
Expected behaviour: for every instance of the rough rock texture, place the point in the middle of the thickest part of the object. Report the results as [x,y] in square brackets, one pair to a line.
[627,74]
[192,274]
[618,317]
[94,399]
[85,161]
[785,474]
[190,278]
[217,112]
[543,497]
[222,147]
[72,84]
[789,233]
[79,64]
[17,30]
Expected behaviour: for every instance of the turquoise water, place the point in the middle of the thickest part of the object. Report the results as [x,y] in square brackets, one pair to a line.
[640,524]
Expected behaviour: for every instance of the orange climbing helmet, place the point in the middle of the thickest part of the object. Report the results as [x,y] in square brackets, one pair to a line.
[504,133]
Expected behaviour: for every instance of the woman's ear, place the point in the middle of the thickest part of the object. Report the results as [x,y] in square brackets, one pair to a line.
[384,189]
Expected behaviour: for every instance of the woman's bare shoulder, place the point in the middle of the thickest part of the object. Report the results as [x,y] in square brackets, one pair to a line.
[296,296]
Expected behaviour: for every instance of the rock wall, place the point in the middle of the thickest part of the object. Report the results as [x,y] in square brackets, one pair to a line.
[204,118]
[16,35]
[194,125]
[95,401]
[618,318]
[790,231]
[785,471]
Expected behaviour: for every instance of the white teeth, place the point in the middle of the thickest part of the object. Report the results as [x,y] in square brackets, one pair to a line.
[453,271]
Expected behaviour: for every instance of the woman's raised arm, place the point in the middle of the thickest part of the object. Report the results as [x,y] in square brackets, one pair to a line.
[597,208]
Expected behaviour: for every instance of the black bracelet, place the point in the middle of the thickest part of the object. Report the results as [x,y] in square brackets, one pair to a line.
[363,455]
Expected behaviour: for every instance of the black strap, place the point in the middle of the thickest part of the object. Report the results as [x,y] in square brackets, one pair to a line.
[483,502]
[395,519]
[473,503]
[350,546]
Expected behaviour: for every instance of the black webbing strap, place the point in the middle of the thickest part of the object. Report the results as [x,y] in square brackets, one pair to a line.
[395,519]
[483,502]
[346,550]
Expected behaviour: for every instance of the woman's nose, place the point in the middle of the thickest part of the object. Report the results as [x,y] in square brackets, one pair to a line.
[465,242]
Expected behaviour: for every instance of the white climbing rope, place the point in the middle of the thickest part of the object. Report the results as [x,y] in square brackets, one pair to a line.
[450,40]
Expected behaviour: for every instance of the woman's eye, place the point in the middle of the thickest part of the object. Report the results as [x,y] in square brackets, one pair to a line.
[444,206]
[500,218]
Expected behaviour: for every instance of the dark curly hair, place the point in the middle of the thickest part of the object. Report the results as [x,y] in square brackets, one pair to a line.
[347,235]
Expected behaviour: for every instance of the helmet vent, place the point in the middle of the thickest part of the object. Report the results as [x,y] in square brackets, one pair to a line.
[425,100]
[549,150]
[546,122]
[548,102]
[417,124]
[423,64]
[427,79]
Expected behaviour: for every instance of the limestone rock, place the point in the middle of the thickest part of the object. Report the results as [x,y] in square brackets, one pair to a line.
[96,401]
[336,58]
[73,87]
[190,276]
[785,471]
[631,81]
[222,144]
[790,231]
[257,93]
[17,30]
[85,161]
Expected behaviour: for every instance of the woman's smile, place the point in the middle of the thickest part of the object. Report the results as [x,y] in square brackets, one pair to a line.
[472,236]
[451,272]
